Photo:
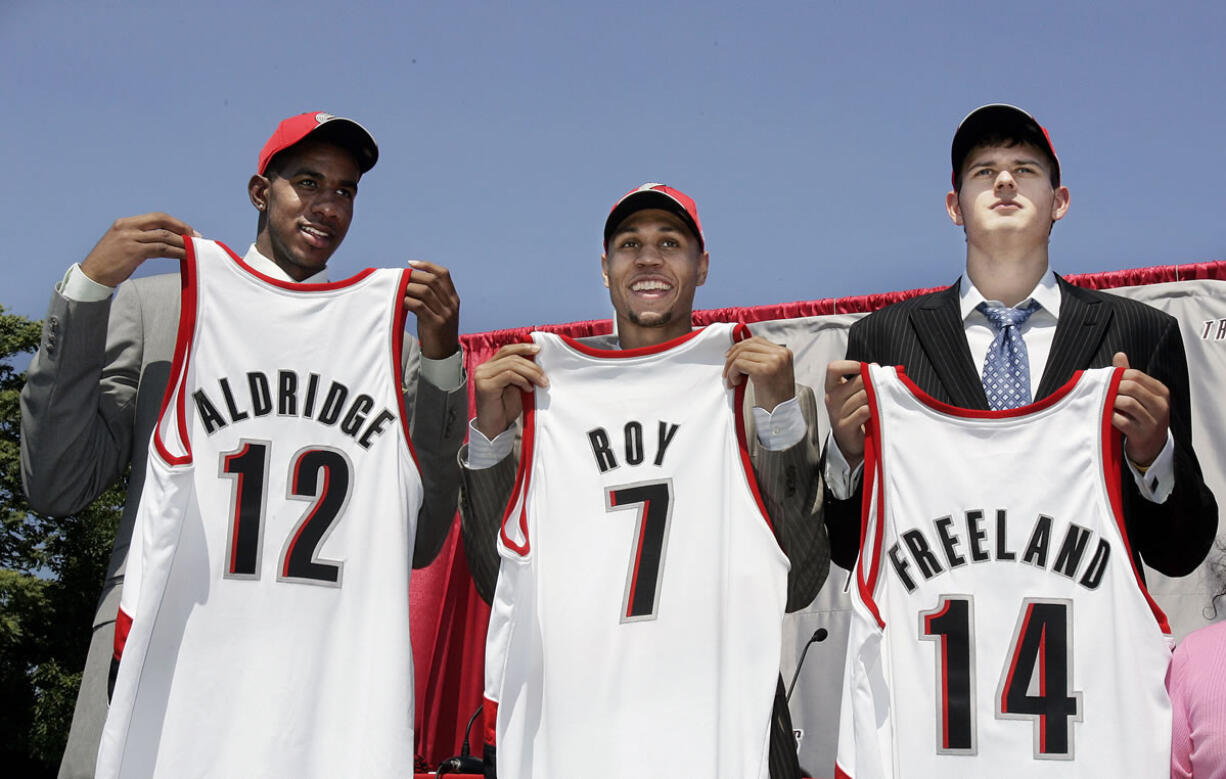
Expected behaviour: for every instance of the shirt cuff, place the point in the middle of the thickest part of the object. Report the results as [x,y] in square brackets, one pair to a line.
[1156,483]
[447,374]
[841,478]
[782,428]
[484,453]
[78,287]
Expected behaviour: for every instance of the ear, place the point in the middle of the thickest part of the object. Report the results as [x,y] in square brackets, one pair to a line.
[1059,203]
[953,208]
[704,261]
[604,269]
[257,190]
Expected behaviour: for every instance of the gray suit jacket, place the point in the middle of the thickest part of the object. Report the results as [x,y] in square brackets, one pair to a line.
[791,486]
[88,409]
[925,334]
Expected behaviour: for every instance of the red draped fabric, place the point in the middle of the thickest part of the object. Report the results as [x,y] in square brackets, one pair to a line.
[449,618]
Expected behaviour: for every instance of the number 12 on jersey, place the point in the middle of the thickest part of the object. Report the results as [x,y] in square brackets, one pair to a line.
[1035,681]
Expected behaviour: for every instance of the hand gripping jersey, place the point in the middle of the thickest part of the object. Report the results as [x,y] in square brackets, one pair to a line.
[265,608]
[998,626]
[636,621]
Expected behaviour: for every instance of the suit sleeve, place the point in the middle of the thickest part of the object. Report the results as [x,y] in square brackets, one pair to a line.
[78,403]
[842,517]
[437,429]
[791,485]
[483,499]
[1173,537]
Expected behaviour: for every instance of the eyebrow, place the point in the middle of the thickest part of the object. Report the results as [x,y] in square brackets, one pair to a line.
[1015,161]
[305,171]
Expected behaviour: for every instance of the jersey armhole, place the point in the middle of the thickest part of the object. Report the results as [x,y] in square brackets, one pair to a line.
[1113,470]
[868,564]
[399,318]
[517,506]
[171,439]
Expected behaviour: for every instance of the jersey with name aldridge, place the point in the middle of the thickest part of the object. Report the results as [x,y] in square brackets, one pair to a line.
[998,625]
[264,619]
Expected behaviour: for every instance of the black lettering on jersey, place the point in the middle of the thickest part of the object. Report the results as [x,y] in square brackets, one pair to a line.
[974,529]
[308,405]
[634,442]
[376,427]
[949,543]
[1002,535]
[922,552]
[333,403]
[1068,559]
[209,415]
[667,432]
[235,414]
[351,425]
[1040,540]
[287,393]
[1097,567]
[599,439]
[261,398]
[900,567]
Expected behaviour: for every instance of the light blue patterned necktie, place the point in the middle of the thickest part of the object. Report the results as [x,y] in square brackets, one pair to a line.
[1006,369]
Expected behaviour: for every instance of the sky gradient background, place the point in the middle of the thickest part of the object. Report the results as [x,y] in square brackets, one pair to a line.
[813,135]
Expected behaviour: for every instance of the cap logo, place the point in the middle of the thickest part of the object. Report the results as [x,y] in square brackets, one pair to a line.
[648,187]
[322,117]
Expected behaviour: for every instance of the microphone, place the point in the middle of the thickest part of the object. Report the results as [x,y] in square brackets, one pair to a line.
[464,763]
[818,635]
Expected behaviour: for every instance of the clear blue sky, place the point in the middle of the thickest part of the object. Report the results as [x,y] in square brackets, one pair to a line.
[814,135]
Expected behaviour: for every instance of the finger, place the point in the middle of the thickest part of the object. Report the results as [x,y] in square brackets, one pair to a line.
[157,220]
[159,236]
[524,348]
[1119,360]
[841,371]
[498,371]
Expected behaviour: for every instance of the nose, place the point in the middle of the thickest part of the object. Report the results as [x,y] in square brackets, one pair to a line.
[649,255]
[1004,180]
[327,203]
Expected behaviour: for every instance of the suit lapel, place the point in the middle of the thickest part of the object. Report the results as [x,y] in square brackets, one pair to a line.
[938,326]
[1079,332]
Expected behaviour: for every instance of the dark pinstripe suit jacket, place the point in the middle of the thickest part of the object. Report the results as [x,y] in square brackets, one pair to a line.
[791,487]
[925,334]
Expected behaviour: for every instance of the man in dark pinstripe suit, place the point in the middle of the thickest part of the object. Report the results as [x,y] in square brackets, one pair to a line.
[1007,196]
[655,259]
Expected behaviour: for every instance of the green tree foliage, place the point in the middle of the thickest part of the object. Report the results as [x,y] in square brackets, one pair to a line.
[51,573]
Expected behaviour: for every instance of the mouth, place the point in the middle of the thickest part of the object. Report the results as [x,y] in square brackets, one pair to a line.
[318,236]
[1006,204]
[651,289]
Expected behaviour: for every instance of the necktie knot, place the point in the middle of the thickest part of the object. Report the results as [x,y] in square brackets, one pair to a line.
[1002,317]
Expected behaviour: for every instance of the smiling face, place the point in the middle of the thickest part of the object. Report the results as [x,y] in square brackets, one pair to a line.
[652,267]
[1007,197]
[306,205]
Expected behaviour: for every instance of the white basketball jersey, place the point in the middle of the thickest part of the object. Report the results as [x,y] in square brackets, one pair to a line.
[999,628]
[265,608]
[636,621]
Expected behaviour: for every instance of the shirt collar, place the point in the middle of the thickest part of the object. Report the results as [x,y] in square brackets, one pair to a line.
[1046,293]
[259,262]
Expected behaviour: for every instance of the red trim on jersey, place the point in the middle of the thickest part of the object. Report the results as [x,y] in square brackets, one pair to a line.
[615,354]
[398,320]
[294,286]
[1113,468]
[973,413]
[739,333]
[839,773]
[519,496]
[873,482]
[123,626]
[489,718]
[178,366]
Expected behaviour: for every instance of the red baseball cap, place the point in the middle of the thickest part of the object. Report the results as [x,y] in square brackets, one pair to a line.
[345,133]
[998,119]
[655,196]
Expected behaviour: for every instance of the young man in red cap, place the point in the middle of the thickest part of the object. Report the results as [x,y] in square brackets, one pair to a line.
[1035,659]
[655,258]
[95,386]
[1007,197]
